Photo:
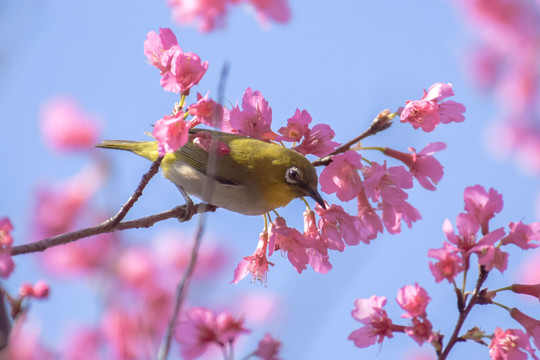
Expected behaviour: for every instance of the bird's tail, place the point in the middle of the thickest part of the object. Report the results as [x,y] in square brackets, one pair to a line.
[146,149]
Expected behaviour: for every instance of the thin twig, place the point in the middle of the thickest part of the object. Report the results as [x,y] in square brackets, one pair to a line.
[106,227]
[121,214]
[382,122]
[208,189]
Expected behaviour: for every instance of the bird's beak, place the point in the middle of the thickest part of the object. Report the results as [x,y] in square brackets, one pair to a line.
[314,194]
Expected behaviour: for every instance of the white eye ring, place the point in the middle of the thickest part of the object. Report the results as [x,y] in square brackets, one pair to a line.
[292,175]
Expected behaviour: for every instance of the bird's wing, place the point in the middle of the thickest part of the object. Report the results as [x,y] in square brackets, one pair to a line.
[197,157]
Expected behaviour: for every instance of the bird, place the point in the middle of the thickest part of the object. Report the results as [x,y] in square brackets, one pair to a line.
[252,177]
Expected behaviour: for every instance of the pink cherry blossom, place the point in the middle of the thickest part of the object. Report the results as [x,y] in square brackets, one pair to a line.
[423,166]
[82,343]
[318,253]
[26,289]
[449,265]
[421,331]
[5,232]
[532,290]
[341,176]
[337,226]
[268,348]
[80,257]
[201,328]
[207,111]
[523,235]
[65,125]
[276,10]
[414,300]
[209,14]
[532,326]
[386,184]
[186,71]
[203,139]
[297,127]
[311,232]
[368,223]
[24,343]
[484,66]
[290,241]
[393,215]
[41,289]
[58,207]
[509,345]
[502,23]
[489,255]
[467,233]
[180,71]
[318,141]
[171,132]
[259,307]
[6,262]
[136,267]
[255,118]
[256,264]
[6,240]
[529,269]
[319,261]
[493,257]
[377,324]
[173,249]
[126,333]
[482,205]
[156,45]
[429,111]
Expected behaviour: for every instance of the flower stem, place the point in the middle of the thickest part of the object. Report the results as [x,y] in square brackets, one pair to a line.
[501,305]
[380,148]
[504,288]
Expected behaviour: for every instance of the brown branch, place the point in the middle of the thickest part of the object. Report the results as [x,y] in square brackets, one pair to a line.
[178,212]
[114,223]
[382,122]
[121,214]
[482,276]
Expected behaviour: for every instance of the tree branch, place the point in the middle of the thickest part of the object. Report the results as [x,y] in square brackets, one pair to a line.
[482,276]
[108,226]
[382,122]
[121,214]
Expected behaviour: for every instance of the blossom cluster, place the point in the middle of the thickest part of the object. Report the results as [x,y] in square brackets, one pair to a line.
[480,207]
[473,237]
[6,241]
[380,190]
[377,325]
[211,14]
[201,329]
[503,62]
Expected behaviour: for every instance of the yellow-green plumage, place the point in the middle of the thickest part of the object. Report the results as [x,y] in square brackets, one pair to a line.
[251,179]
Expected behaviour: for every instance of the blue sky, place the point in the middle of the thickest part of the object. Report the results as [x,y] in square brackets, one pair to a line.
[342,62]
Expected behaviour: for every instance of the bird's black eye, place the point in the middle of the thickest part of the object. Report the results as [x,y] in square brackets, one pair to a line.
[292,175]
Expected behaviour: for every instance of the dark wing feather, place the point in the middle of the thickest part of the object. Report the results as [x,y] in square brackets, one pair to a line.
[197,157]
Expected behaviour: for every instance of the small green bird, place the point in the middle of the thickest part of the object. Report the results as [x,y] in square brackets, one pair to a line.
[253,178]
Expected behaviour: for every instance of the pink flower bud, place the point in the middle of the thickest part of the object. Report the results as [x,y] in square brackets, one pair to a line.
[41,290]
[533,290]
[26,290]
[532,326]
